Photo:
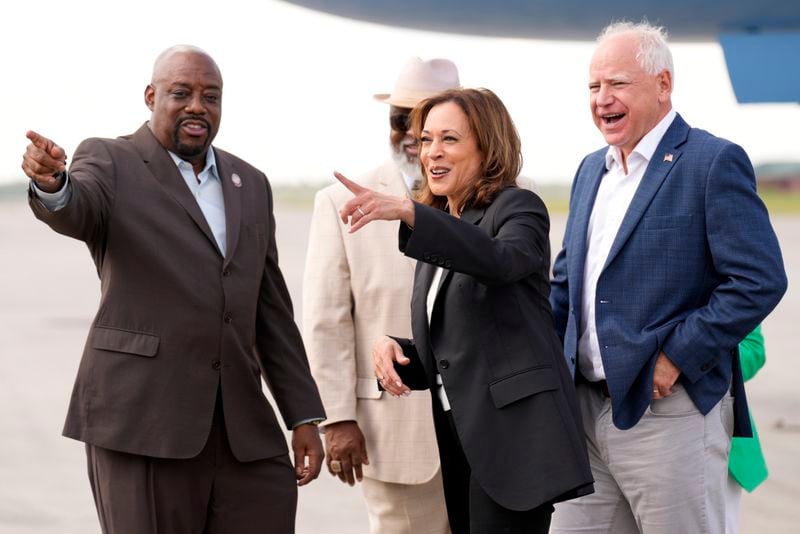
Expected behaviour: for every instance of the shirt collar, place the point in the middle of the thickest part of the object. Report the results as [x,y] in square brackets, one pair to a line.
[210,166]
[648,144]
[411,183]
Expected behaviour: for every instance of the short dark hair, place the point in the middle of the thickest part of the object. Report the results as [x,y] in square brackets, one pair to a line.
[495,135]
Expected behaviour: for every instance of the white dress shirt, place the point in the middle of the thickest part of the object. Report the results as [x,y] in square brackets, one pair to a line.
[412,183]
[432,292]
[614,196]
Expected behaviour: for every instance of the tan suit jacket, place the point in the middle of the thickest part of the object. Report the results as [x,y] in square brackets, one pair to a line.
[357,288]
[176,320]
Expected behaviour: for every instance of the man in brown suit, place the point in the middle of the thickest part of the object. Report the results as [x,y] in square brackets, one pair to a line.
[193,312]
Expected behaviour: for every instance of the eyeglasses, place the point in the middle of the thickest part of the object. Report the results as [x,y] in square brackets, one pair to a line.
[399,120]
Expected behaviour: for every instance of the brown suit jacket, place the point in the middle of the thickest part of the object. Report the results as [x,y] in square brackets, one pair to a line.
[177,321]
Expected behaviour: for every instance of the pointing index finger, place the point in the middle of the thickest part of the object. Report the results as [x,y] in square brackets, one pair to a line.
[349,184]
[47,146]
[40,141]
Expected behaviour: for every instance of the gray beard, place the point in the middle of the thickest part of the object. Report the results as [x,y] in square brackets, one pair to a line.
[408,168]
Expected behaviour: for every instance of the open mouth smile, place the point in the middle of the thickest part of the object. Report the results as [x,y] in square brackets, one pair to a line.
[612,118]
[194,127]
[438,172]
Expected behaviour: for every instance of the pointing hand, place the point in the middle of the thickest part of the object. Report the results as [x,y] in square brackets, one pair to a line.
[43,162]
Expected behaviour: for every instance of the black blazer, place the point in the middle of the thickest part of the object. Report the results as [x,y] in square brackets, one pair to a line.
[491,337]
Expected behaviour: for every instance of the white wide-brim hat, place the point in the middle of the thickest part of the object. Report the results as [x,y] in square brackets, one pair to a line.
[420,80]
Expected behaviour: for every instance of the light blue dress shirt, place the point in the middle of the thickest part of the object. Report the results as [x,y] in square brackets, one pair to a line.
[206,188]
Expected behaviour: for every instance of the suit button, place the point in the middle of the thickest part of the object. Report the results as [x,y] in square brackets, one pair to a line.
[228,317]
[448,264]
[226,272]
[440,261]
[705,367]
[216,365]
[444,364]
[426,257]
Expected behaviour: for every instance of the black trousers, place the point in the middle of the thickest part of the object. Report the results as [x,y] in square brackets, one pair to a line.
[469,509]
[212,493]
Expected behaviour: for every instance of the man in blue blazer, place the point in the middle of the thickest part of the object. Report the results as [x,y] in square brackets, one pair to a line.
[669,260]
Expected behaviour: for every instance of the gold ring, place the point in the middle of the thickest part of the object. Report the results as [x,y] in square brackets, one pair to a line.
[336,466]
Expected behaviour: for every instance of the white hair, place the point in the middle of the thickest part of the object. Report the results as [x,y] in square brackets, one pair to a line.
[654,55]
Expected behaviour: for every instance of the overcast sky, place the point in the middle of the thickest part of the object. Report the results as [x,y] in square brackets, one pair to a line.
[298,84]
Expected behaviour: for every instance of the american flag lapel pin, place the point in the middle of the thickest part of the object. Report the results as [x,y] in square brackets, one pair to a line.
[236,180]
[668,157]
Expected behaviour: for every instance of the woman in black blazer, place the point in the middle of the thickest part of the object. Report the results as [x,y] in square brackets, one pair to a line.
[507,423]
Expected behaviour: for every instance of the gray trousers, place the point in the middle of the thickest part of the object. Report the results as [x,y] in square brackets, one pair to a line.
[666,475]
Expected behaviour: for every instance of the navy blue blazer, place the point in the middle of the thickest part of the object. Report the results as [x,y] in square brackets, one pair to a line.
[694,268]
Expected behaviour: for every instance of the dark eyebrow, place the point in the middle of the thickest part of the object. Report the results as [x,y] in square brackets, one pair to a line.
[185,85]
[448,130]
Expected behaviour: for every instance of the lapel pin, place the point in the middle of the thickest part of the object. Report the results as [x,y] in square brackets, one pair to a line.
[667,158]
[238,181]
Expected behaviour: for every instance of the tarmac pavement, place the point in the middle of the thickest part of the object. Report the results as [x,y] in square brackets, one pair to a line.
[48,297]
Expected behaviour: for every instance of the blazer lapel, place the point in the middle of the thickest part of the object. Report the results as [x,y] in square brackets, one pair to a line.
[473,215]
[423,279]
[391,181]
[664,158]
[168,176]
[583,211]
[470,215]
[232,195]
[422,285]
[419,313]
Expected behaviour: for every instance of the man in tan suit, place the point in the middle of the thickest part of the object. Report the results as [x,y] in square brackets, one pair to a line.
[193,311]
[357,288]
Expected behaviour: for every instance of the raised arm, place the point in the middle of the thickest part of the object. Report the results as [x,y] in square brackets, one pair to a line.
[368,205]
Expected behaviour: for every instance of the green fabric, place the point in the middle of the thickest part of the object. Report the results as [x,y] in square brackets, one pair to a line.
[752,353]
[746,462]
